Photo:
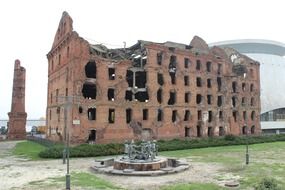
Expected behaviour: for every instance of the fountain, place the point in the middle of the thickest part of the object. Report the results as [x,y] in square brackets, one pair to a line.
[140,159]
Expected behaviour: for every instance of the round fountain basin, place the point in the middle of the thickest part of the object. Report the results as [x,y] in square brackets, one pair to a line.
[157,164]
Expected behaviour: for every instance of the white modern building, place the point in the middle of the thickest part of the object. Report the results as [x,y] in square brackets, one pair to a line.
[271,56]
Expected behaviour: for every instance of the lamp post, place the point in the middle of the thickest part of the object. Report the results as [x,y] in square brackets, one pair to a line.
[67,124]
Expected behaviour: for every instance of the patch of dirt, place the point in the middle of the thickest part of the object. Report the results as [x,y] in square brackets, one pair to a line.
[17,173]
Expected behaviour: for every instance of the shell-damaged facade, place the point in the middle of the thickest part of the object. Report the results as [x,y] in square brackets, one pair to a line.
[148,91]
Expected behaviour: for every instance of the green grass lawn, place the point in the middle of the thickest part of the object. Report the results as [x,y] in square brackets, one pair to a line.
[79,180]
[193,186]
[28,149]
[266,160]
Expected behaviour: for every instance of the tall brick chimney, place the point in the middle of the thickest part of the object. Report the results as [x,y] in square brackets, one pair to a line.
[18,116]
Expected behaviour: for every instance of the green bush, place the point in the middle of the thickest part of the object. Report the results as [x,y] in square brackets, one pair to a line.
[230,137]
[87,150]
[267,184]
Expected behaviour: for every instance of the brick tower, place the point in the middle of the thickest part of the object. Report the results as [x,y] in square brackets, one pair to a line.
[18,116]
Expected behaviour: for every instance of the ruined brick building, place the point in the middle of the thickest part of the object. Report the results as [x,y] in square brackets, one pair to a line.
[148,91]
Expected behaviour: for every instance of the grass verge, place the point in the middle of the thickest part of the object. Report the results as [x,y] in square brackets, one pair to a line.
[193,186]
[28,149]
[79,180]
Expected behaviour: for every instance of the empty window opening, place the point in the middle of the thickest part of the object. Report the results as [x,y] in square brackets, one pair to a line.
[140,79]
[251,73]
[59,59]
[187,97]
[130,78]
[174,115]
[92,135]
[252,115]
[199,98]
[198,81]
[56,95]
[187,132]
[172,69]
[243,101]
[89,91]
[198,65]
[111,94]
[111,72]
[219,82]
[172,76]
[221,131]
[67,52]
[243,86]
[128,115]
[234,100]
[159,58]
[160,80]
[129,95]
[210,116]
[159,95]
[159,115]
[199,115]
[111,117]
[172,98]
[209,66]
[80,109]
[244,130]
[144,60]
[52,65]
[220,101]
[90,69]
[91,113]
[186,80]
[186,63]
[210,132]
[244,115]
[66,91]
[209,99]
[199,131]
[252,129]
[137,61]
[251,87]
[235,116]
[220,68]
[187,115]
[51,98]
[142,96]
[234,86]
[209,83]
[252,102]
[49,114]
[221,115]
[145,114]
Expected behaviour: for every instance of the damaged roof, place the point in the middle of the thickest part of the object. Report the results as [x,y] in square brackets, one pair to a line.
[197,45]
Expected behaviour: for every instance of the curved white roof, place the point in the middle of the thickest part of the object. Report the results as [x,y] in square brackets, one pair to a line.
[254,46]
[272,68]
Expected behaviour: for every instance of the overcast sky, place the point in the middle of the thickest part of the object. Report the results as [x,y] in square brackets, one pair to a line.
[28,28]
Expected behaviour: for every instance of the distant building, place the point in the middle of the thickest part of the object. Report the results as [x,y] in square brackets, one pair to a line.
[271,56]
[148,91]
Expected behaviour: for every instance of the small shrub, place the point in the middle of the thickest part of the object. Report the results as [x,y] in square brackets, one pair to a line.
[87,150]
[230,137]
[267,184]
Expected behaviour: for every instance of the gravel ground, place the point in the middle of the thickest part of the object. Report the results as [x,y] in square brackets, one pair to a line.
[17,173]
